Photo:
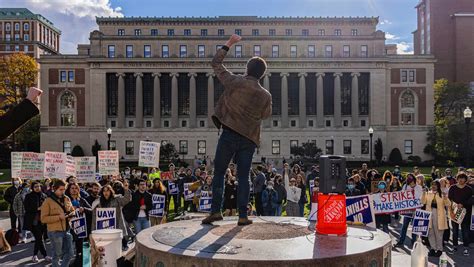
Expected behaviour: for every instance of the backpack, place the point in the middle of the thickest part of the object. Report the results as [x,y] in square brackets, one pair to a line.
[12,237]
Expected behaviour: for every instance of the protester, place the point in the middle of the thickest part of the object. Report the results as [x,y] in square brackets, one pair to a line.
[352,189]
[93,193]
[300,183]
[19,209]
[408,216]
[9,197]
[141,205]
[56,211]
[259,186]
[230,195]
[269,200]
[33,201]
[382,220]
[293,199]
[189,178]
[281,191]
[159,189]
[286,175]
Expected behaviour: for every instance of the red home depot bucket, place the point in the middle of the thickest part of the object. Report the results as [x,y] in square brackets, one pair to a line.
[331,214]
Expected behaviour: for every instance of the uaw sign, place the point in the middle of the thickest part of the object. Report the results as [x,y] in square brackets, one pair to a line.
[421,222]
[105,218]
[359,209]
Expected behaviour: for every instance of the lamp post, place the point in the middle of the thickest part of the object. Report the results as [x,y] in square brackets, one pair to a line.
[371,134]
[109,134]
[467,120]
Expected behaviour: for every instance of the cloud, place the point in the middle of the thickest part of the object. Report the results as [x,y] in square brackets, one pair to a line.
[75,18]
[384,22]
[390,36]
[404,48]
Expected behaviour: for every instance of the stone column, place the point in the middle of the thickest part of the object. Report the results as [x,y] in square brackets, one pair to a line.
[266,85]
[302,99]
[139,100]
[284,100]
[156,100]
[337,99]
[192,99]
[174,100]
[210,99]
[121,101]
[320,100]
[355,99]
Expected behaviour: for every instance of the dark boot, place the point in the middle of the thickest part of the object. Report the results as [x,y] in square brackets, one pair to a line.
[212,218]
[244,221]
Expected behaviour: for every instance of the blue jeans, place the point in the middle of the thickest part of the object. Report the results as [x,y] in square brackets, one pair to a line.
[301,209]
[232,145]
[403,234]
[141,223]
[62,248]
[278,210]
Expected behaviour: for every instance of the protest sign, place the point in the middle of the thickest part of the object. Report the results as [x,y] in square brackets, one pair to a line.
[173,188]
[472,219]
[396,201]
[188,194]
[421,222]
[32,166]
[167,175]
[16,158]
[78,225]
[55,165]
[311,187]
[105,218]
[459,214]
[85,169]
[70,166]
[360,209]
[158,205]
[205,201]
[109,162]
[149,155]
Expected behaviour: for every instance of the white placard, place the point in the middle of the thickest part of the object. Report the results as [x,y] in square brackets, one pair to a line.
[16,163]
[55,165]
[149,155]
[85,169]
[109,162]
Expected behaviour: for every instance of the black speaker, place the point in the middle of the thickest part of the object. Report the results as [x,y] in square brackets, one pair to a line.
[332,174]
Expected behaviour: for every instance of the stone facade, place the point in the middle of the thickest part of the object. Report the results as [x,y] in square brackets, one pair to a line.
[151,79]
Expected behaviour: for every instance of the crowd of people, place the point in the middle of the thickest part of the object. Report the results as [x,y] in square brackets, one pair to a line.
[44,208]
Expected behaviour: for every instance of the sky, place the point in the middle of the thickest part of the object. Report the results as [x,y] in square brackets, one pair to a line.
[76,18]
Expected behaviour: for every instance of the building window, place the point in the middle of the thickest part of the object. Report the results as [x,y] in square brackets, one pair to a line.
[183,147]
[293,146]
[111,51]
[62,76]
[238,51]
[328,51]
[26,37]
[187,32]
[364,146]
[7,37]
[293,123]
[276,147]
[411,76]
[183,51]
[147,51]
[201,51]
[201,147]
[311,123]
[407,108]
[131,124]
[184,123]
[345,123]
[67,105]
[311,51]
[288,32]
[138,32]
[328,123]
[364,51]
[337,32]
[70,76]
[7,26]
[17,26]
[165,52]
[256,50]
[170,32]
[321,32]
[129,51]
[148,124]
[67,147]
[275,51]
[255,32]
[129,147]
[354,32]
[275,123]
[121,32]
[362,123]
[203,32]
[329,147]
[25,48]
[346,51]
[293,51]
[238,31]
[166,124]
[305,32]
[154,32]
[17,48]
[220,32]
[202,124]
[113,145]
[272,32]
[17,37]
[347,145]
[408,146]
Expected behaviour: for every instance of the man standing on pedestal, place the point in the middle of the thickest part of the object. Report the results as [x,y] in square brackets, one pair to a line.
[239,112]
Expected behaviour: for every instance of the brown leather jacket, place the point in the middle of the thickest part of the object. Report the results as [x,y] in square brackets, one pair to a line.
[243,104]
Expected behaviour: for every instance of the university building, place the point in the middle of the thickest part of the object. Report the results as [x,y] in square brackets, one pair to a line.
[150,79]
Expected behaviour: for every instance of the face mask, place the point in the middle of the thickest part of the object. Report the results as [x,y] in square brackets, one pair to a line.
[127,172]
[139,173]
[350,186]
[381,186]
[16,183]
[270,187]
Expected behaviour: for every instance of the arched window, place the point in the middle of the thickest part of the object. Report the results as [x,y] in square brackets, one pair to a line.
[407,108]
[67,103]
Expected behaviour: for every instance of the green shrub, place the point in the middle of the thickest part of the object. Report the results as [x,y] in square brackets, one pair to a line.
[395,157]
[3,205]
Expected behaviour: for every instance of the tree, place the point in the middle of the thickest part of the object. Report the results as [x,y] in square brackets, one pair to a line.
[28,136]
[77,151]
[395,157]
[18,72]
[310,150]
[378,150]
[168,152]
[95,149]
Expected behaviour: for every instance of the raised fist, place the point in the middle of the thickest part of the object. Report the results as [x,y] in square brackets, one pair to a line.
[33,94]
[233,40]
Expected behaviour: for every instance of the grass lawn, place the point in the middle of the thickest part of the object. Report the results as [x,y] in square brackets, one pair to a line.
[5,175]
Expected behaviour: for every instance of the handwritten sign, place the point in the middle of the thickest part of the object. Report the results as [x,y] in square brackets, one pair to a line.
[167,175]
[459,214]
[149,155]
[70,166]
[421,222]
[105,218]
[79,226]
[396,201]
[188,194]
[16,158]
[158,205]
[360,209]
[55,165]
[173,188]
[205,201]
[85,169]
[32,166]
[109,162]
